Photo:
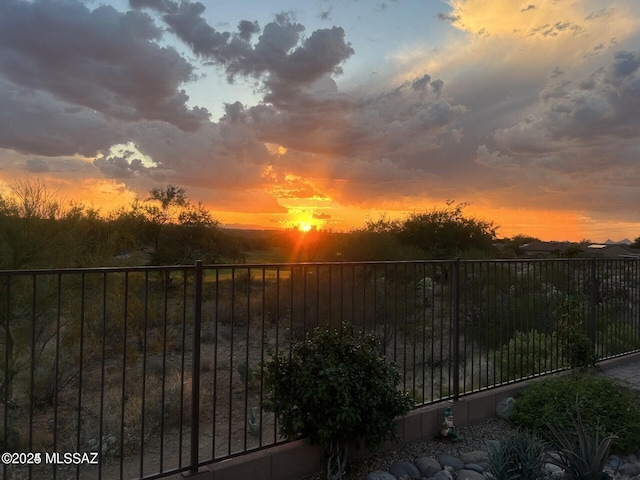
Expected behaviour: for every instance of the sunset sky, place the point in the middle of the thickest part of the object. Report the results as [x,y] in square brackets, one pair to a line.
[286,113]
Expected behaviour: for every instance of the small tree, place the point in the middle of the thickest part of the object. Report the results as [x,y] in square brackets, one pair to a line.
[333,389]
[447,232]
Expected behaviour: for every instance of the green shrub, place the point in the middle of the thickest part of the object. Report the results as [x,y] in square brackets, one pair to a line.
[578,347]
[528,353]
[335,388]
[602,402]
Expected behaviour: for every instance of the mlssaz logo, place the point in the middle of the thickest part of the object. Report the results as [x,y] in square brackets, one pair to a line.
[72,458]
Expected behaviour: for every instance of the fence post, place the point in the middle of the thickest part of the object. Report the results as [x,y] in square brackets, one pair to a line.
[455,294]
[195,368]
[593,292]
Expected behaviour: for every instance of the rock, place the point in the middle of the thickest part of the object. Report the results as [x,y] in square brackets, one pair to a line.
[476,456]
[450,461]
[613,462]
[474,466]
[630,469]
[405,470]
[553,470]
[380,475]
[443,475]
[505,408]
[428,466]
[465,474]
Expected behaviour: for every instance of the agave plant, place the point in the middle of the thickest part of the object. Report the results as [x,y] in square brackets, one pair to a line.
[517,456]
[582,454]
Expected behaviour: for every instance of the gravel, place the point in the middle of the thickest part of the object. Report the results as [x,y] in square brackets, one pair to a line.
[473,437]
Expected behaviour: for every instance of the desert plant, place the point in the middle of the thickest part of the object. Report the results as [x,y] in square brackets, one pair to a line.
[335,388]
[581,453]
[602,401]
[579,349]
[519,455]
[529,353]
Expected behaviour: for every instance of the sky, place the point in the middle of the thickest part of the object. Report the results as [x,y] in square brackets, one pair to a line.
[329,113]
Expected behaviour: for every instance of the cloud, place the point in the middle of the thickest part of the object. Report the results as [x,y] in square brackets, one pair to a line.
[492,159]
[185,21]
[37,122]
[36,165]
[117,68]
[281,56]
[604,103]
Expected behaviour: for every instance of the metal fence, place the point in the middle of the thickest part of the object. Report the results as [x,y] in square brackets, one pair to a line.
[148,372]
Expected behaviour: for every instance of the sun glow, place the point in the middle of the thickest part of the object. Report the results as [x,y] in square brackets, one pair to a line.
[305,226]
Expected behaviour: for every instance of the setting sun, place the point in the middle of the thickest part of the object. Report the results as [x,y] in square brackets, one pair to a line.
[305,226]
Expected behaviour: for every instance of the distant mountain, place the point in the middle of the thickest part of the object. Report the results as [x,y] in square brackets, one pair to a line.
[626,241]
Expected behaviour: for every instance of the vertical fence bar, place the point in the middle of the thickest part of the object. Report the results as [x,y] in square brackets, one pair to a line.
[455,293]
[214,422]
[182,362]
[591,332]
[102,368]
[8,393]
[123,393]
[195,367]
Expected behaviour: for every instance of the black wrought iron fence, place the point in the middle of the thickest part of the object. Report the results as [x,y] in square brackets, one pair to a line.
[151,371]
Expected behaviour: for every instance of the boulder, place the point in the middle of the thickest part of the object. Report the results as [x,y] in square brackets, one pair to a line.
[465,474]
[405,470]
[443,475]
[380,475]
[450,461]
[428,466]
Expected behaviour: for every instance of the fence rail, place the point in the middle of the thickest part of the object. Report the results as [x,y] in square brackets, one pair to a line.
[158,370]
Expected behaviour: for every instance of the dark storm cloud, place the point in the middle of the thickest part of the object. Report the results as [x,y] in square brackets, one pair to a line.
[36,165]
[56,164]
[36,122]
[280,53]
[100,59]
[123,166]
[604,104]
[321,120]
[246,29]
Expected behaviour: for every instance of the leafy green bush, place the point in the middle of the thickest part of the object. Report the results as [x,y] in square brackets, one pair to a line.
[603,403]
[528,353]
[519,455]
[333,389]
[578,347]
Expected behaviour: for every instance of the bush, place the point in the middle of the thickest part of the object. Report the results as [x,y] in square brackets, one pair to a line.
[529,353]
[602,402]
[578,348]
[335,388]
